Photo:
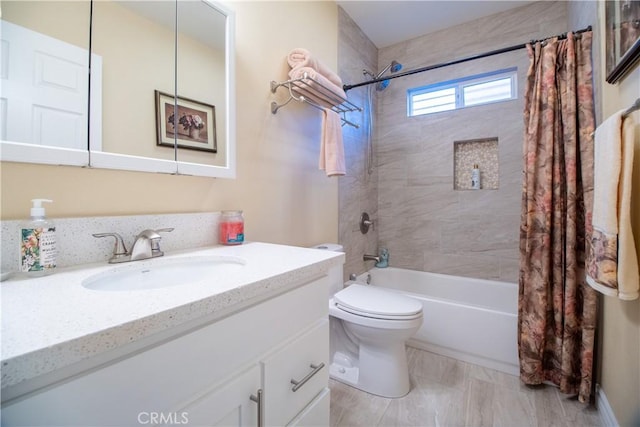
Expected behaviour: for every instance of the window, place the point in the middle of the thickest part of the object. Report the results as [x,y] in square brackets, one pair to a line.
[465,92]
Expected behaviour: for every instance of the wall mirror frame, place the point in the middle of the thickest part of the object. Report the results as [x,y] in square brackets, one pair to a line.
[177,161]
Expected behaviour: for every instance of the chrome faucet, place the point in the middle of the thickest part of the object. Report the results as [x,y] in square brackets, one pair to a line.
[146,245]
[375,258]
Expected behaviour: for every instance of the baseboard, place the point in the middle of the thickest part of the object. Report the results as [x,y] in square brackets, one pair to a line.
[604,409]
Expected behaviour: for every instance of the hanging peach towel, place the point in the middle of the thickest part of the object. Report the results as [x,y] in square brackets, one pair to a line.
[331,145]
[612,263]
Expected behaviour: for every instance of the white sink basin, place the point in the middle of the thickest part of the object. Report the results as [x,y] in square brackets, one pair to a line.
[162,273]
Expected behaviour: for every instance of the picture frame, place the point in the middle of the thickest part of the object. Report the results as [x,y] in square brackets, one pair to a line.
[194,128]
[622,38]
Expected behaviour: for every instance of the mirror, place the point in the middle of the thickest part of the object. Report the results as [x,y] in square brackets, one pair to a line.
[145,126]
[201,77]
[135,72]
[133,47]
[44,101]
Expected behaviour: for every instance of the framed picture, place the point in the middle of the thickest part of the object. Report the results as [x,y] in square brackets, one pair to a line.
[622,20]
[192,123]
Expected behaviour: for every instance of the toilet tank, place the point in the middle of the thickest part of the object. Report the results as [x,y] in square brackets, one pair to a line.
[335,273]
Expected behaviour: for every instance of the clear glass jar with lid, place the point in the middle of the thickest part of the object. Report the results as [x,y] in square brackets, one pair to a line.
[231,231]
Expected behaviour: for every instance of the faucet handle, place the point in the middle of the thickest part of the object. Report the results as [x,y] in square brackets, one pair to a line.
[365,223]
[119,250]
[148,234]
[155,241]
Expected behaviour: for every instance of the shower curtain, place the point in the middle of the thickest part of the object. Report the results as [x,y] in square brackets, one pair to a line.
[556,308]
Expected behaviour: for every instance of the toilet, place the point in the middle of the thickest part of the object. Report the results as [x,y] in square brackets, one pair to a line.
[369,328]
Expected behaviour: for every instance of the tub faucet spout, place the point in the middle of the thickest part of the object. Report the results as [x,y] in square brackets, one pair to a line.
[371,258]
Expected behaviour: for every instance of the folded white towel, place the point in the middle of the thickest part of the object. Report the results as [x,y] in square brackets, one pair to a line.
[317,87]
[331,144]
[300,57]
[612,263]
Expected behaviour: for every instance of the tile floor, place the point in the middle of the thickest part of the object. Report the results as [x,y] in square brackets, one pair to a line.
[446,392]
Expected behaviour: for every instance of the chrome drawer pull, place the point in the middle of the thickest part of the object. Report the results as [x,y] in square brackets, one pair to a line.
[298,384]
[258,400]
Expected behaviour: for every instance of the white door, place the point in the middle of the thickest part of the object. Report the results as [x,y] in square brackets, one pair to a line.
[44,98]
[228,405]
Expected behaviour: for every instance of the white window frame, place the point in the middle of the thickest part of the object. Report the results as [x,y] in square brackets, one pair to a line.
[459,85]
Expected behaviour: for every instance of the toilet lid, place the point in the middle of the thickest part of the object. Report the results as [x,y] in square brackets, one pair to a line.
[373,301]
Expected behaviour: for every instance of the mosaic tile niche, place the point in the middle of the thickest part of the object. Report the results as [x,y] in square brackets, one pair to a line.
[484,153]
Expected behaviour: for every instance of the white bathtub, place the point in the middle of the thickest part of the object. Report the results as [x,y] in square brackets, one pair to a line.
[472,320]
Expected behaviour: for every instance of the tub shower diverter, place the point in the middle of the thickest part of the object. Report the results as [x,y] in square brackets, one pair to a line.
[164,273]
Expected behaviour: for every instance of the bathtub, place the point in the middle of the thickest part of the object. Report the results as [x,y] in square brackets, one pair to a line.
[472,320]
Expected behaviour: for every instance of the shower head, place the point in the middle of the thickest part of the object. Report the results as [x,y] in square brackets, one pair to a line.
[382,85]
[394,67]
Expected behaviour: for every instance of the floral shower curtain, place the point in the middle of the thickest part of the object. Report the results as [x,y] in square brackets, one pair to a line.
[556,307]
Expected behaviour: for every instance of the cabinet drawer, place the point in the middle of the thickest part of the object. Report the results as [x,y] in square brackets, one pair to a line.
[317,413]
[293,362]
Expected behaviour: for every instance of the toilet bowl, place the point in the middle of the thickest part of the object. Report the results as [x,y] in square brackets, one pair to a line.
[369,328]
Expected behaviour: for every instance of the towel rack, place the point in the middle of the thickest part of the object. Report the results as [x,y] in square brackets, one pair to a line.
[634,107]
[340,104]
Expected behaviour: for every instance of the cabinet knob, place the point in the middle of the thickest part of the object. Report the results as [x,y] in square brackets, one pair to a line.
[298,384]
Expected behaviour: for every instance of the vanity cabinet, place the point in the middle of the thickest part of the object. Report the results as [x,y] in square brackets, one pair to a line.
[206,375]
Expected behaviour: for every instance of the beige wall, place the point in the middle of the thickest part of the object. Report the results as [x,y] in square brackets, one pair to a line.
[66,20]
[620,364]
[285,198]
[424,222]
[204,84]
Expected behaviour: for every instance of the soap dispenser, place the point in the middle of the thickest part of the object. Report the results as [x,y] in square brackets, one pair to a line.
[475,177]
[38,251]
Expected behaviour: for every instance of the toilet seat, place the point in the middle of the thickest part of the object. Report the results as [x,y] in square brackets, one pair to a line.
[369,301]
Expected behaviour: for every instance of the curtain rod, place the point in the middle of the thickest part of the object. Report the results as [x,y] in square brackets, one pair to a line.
[458,61]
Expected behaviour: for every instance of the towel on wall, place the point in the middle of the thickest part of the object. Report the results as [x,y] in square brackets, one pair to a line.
[317,87]
[331,145]
[612,263]
[300,57]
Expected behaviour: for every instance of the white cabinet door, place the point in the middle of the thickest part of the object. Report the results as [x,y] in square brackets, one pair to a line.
[227,405]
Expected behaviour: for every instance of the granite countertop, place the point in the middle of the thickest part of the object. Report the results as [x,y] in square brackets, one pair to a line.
[52,322]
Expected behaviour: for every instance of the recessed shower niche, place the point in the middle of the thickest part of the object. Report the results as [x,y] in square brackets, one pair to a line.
[481,152]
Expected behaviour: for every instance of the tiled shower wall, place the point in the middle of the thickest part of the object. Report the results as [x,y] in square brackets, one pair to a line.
[422,220]
[358,189]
